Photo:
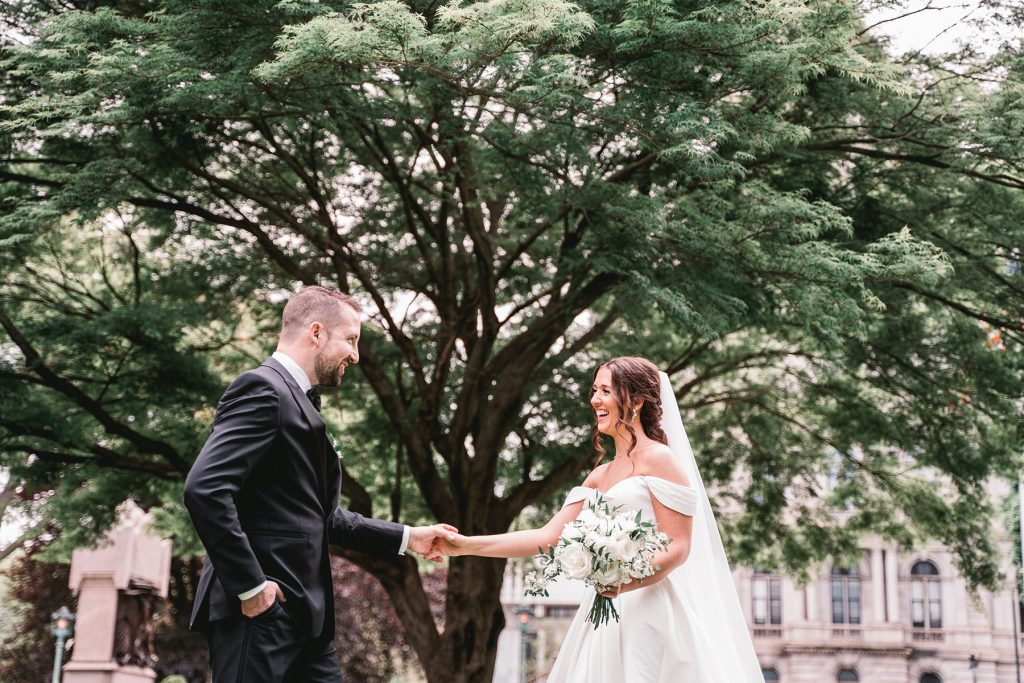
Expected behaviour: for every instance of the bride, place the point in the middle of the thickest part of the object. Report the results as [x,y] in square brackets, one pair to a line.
[684,624]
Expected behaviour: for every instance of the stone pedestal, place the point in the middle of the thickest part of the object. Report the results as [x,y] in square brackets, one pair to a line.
[131,559]
[91,672]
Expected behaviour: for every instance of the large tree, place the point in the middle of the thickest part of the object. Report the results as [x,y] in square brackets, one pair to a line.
[805,234]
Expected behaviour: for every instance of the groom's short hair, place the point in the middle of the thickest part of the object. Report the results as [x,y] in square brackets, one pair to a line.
[314,303]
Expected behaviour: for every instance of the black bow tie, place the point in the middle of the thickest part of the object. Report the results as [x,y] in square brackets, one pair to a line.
[314,397]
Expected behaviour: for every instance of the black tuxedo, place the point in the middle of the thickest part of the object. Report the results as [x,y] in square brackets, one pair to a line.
[263,495]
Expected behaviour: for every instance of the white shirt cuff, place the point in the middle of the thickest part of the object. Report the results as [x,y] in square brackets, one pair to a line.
[255,591]
[405,541]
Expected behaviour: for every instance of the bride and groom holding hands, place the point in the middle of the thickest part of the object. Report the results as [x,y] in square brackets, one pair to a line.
[263,495]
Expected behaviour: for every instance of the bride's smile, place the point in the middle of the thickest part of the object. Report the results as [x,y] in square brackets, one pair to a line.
[603,401]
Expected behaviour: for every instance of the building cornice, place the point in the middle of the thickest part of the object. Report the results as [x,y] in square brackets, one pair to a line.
[847,648]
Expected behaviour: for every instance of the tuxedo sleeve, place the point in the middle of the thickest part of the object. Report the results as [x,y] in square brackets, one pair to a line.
[371,536]
[246,424]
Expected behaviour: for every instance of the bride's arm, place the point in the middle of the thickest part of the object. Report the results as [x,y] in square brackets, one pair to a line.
[514,543]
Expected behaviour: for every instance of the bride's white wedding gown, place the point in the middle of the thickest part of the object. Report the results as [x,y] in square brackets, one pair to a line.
[659,637]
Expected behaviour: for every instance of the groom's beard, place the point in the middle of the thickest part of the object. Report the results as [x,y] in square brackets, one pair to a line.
[328,372]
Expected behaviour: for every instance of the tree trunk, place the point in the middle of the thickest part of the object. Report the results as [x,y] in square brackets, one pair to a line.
[473,621]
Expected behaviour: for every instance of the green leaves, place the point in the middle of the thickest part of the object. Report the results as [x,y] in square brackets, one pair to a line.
[390,36]
[494,26]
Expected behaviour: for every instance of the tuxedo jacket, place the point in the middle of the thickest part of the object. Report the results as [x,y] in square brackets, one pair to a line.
[263,495]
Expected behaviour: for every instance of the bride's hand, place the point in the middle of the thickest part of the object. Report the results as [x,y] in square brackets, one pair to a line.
[620,589]
[448,546]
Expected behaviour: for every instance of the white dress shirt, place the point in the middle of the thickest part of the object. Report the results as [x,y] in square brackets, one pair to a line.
[303,381]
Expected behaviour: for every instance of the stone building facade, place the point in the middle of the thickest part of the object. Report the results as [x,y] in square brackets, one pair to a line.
[893,618]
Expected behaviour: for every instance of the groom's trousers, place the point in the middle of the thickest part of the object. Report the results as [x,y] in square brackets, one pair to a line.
[270,648]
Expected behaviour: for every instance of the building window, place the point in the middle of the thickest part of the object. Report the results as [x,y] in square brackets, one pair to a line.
[767,597]
[770,675]
[931,678]
[925,596]
[845,675]
[561,611]
[845,595]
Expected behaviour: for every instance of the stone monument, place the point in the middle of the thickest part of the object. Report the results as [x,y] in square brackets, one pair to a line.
[119,584]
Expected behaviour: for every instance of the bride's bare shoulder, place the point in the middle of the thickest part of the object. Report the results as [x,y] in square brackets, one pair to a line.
[596,476]
[660,461]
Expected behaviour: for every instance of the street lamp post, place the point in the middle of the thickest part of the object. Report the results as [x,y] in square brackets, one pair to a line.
[1016,614]
[63,626]
[524,613]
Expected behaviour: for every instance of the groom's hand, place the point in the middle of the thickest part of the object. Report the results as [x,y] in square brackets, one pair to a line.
[421,538]
[261,602]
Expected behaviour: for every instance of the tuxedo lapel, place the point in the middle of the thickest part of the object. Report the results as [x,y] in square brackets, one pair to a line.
[308,411]
[316,424]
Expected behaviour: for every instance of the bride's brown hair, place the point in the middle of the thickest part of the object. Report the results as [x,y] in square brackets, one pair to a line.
[633,378]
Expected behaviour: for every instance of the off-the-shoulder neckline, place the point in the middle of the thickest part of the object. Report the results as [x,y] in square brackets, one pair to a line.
[637,476]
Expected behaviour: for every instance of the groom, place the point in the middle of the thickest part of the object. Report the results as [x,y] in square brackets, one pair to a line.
[263,495]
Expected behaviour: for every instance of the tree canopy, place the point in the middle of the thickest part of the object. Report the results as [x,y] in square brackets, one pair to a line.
[818,242]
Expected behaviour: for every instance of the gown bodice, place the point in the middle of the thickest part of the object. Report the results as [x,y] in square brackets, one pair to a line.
[659,637]
[636,492]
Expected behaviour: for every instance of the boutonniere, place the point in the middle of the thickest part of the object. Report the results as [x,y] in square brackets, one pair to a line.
[334,443]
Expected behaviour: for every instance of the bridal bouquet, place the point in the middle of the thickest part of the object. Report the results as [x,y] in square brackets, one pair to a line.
[603,547]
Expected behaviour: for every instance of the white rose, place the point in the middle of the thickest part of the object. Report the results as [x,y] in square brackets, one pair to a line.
[628,525]
[593,538]
[587,517]
[608,577]
[623,548]
[601,541]
[575,561]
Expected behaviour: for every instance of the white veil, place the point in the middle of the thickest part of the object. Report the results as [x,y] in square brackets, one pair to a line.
[705,577]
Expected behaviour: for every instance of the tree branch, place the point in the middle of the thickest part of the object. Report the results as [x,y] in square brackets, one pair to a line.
[143,443]
[998,178]
[29,534]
